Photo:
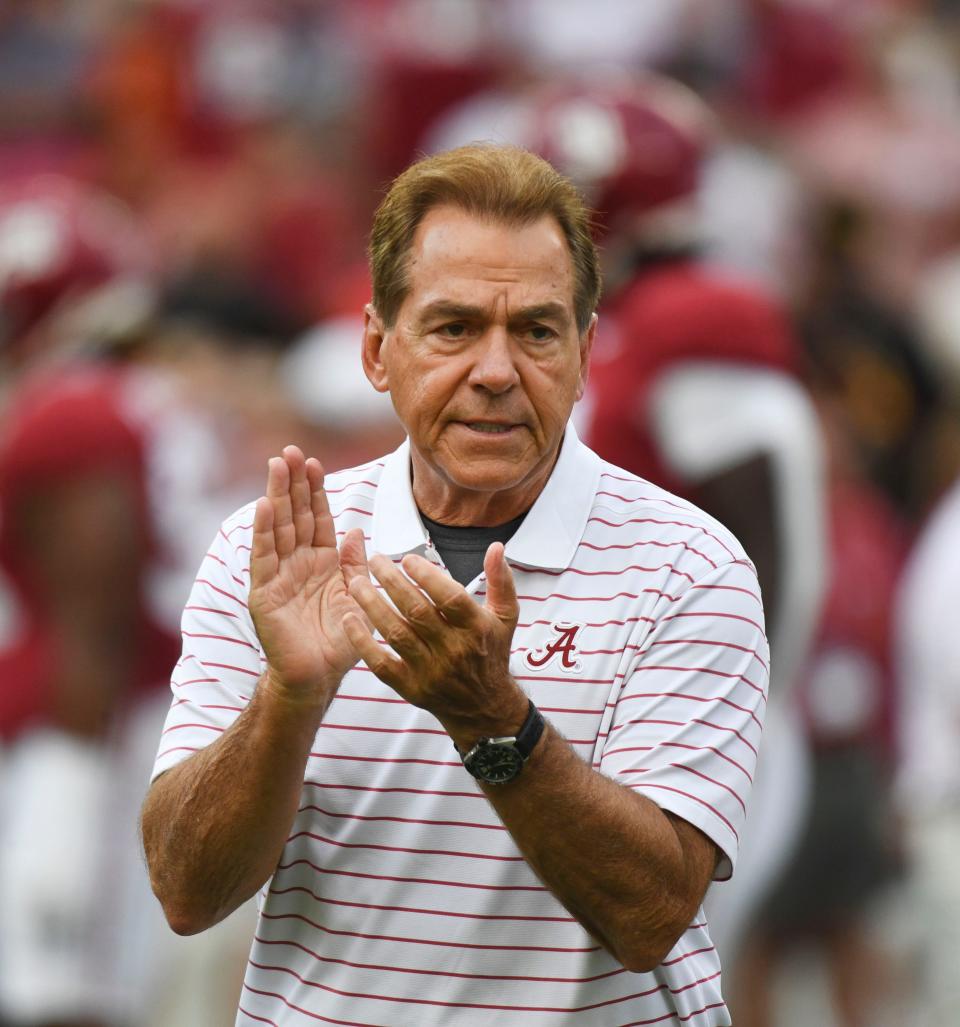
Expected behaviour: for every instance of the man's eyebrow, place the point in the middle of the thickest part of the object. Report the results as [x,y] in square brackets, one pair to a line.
[540,312]
[450,310]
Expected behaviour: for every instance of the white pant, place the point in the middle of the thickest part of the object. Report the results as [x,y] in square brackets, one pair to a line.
[81,935]
[55,809]
[933,900]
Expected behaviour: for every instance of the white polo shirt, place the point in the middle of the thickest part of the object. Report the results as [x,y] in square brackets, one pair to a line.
[400,898]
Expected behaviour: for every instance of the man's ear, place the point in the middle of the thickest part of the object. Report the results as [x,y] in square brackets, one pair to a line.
[372,353]
[586,348]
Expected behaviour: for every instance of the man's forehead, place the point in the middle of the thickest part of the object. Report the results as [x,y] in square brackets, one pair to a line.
[449,232]
[456,246]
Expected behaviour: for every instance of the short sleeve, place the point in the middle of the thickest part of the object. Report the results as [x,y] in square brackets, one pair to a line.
[221,659]
[687,721]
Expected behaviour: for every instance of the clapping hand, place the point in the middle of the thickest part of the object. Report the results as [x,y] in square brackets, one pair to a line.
[299,582]
[452,654]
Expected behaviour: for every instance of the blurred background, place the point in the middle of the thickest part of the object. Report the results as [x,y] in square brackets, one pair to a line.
[185,190]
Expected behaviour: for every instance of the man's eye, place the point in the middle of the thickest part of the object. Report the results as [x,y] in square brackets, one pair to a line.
[454,331]
[540,333]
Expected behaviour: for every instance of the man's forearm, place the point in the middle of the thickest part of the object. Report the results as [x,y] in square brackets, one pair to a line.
[632,875]
[215,825]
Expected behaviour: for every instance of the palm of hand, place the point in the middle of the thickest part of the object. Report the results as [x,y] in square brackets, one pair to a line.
[298,616]
[298,580]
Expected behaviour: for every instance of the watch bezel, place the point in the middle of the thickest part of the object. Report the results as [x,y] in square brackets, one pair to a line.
[495,760]
[489,754]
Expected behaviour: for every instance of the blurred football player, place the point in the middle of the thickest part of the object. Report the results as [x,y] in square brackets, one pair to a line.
[101,465]
[695,385]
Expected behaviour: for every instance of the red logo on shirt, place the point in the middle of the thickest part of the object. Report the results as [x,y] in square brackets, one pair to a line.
[562,647]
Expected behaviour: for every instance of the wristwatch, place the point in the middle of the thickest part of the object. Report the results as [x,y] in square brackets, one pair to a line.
[499,760]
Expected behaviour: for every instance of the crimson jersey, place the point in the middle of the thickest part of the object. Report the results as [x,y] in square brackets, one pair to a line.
[676,313]
[847,691]
[65,427]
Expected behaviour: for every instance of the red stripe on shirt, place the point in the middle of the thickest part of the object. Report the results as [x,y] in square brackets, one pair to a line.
[456,914]
[429,941]
[442,973]
[401,848]
[327,871]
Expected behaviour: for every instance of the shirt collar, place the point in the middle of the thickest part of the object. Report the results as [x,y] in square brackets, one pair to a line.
[549,535]
[397,527]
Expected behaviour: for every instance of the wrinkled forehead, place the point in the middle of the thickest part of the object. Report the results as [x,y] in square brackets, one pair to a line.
[453,249]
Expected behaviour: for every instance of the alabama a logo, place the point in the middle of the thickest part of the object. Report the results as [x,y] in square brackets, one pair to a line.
[559,651]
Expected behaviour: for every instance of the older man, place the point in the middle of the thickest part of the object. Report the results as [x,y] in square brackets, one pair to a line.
[488,779]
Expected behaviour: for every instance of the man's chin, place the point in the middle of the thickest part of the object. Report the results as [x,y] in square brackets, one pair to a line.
[475,472]
[480,478]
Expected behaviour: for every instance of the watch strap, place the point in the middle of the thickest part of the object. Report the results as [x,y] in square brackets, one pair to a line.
[530,731]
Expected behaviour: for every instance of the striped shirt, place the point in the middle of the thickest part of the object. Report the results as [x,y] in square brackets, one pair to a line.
[400,897]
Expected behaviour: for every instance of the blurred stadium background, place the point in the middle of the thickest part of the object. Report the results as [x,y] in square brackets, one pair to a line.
[185,187]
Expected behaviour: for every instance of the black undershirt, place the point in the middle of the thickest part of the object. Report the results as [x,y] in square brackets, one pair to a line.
[462,549]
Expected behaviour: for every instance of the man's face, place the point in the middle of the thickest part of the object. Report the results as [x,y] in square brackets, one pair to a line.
[483,364]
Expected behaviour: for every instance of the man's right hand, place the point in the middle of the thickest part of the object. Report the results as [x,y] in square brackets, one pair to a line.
[299,582]
[215,825]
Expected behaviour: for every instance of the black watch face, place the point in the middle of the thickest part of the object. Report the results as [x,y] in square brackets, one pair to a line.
[495,764]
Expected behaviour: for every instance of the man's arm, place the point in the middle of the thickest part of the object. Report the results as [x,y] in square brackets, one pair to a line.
[214,826]
[632,874]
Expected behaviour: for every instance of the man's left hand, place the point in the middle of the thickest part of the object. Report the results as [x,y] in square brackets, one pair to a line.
[452,654]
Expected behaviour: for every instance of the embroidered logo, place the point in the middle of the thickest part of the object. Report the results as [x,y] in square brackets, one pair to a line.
[562,647]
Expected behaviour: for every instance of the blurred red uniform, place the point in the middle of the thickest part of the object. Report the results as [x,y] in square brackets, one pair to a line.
[694,384]
[694,379]
[667,316]
[846,693]
[96,522]
[848,850]
[66,433]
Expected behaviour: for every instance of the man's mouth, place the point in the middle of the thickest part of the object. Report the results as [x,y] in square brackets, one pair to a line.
[489,427]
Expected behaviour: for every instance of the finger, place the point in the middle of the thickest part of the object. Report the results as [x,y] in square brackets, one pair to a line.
[501,590]
[324,533]
[278,492]
[387,668]
[394,629]
[353,556]
[449,597]
[300,499]
[418,609]
[264,561]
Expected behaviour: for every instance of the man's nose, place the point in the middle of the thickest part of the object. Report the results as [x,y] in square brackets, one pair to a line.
[494,368]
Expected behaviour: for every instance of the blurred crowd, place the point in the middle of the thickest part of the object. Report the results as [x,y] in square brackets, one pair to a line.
[185,188]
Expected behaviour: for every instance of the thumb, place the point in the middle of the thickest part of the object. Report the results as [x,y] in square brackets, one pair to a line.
[501,591]
[353,556]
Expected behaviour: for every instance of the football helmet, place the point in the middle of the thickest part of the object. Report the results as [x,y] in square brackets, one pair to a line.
[60,240]
[632,144]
